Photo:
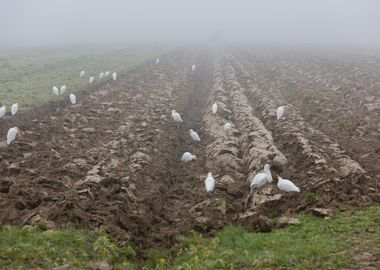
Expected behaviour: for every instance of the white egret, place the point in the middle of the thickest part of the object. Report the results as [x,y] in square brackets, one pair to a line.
[176,117]
[63,89]
[280,112]
[73,99]
[55,90]
[210,182]
[3,110]
[194,135]
[214,108]
[82,73]
[91,80]
[11,135]
[106,73]
[114,76]
[14,108]
[261,179]
[227,128]
[157,61]
[193,68]
[287,185]
[187,156]
[101,75]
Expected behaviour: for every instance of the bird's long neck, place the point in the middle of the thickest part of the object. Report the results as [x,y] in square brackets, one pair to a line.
[269,175]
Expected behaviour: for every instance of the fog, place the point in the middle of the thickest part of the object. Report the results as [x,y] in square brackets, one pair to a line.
[331,22]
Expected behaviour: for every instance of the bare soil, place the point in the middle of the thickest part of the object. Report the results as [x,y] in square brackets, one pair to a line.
[113,160]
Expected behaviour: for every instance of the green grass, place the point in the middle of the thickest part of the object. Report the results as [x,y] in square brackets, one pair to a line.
[27,76]
[313,244]
[28,248]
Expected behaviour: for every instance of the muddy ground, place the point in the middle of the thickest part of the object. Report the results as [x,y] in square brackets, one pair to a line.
[113,160]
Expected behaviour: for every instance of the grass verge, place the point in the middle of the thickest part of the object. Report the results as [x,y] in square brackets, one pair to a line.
[29,248]
[313,244]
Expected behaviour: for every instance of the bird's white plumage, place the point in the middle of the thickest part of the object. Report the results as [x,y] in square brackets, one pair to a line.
[227,128]
[214,108]
[11,135]
[261,179]
[192,67]
[106,73]
[55,90]
[287,185]
[280,112]
[114,76]
[14,108]
[73,99]
[187,156]
[63,89]
[210,183]
[101,75]
[82,73]
[268,173]
[194,135]
[157,61]
[91,80]
[3,111]
[176,117]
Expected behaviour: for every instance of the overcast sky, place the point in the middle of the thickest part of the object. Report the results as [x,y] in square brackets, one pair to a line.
[274,21]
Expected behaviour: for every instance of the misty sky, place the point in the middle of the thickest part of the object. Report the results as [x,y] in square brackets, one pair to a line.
[36,22]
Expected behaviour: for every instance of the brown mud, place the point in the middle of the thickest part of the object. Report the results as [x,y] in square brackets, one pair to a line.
[113,160]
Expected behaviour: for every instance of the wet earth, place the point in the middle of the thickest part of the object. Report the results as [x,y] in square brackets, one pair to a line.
[112,161]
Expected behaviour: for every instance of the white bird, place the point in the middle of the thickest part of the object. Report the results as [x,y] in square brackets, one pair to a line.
[227,128]
[82,73]
[210,182]
[157,61]
[214,108]
[73,99]
[176,117]
[114,76]
[287,185]
[11,135]
[3,110]
[193,68]
[63,89]
[101,75]
[187,156]
[91,80]
[194,135]
[14,108]
[55,90]
[280,112]
[261,179]
[106,73]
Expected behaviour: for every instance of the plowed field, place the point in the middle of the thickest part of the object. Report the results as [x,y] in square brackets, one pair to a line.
[112,161]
